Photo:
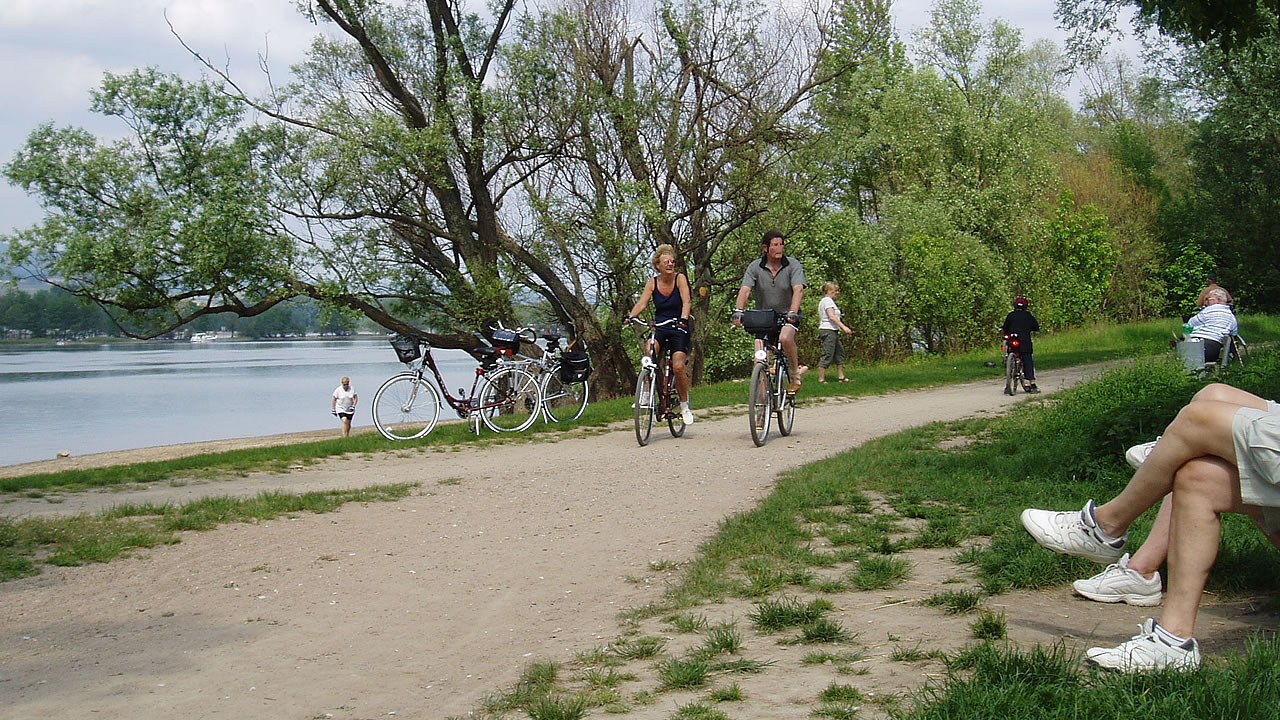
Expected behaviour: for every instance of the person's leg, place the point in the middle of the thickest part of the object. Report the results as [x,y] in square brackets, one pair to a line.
[1203,490]
[1200,429]
[678,360]
[1218,392]
[787,335]
[828,353]
[1148,559]
[346,426]
[839,356]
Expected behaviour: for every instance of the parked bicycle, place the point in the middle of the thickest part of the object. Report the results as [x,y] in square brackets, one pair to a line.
[504,397]
[565,380]
[1013,372]
[770,376]
[656,395]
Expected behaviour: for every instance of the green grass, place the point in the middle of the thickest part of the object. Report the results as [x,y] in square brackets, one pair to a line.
[28,543]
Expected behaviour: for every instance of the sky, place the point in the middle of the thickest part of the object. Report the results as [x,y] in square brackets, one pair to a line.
[57,51]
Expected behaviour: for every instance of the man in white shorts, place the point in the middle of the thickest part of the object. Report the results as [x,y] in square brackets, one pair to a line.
[1220,454]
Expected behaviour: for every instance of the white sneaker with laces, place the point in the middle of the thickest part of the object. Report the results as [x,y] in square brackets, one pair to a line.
[1119,583]
[686,414]
[1137,454]
[1146,651]
[1072,533]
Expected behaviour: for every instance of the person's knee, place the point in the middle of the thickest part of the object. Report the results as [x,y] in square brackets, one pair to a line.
[1217,392]
[1207,483]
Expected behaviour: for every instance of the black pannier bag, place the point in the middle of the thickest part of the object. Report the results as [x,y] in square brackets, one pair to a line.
[507,342]
[575,366]
[759,319]
[406,348]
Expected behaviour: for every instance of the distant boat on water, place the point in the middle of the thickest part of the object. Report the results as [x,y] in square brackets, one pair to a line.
[203,337]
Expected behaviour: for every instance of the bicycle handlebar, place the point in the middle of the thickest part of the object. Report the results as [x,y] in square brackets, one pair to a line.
[654,325]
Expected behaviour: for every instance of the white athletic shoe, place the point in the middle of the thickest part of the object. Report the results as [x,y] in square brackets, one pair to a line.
[1118,583]
[1137,454]
[1146,651]
[1072,533]
[687,415]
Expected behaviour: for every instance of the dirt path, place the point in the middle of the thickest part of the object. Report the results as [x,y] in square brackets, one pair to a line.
[421,607]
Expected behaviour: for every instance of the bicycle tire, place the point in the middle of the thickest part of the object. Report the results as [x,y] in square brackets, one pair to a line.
[1010,374]
[564,401]
[406,407]
[644,406]
[759,402]
[510,400]
[675,418]
[785,402]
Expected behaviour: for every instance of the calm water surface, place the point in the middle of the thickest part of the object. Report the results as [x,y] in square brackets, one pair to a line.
[87,398]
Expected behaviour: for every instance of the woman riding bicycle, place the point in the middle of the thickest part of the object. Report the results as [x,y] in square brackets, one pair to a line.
[671,299]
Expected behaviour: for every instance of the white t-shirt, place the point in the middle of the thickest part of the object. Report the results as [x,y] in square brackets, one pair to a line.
[824,322]
[346,399]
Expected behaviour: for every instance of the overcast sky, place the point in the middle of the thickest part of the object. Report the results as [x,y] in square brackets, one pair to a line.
[57,51]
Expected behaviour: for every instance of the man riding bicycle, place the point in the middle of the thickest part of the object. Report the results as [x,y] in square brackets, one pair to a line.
[778,283]
[1022,323]
[669,291]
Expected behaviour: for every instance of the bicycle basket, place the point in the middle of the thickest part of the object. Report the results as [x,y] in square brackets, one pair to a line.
[506,341]
[406,348]
[759,319]
[574,366]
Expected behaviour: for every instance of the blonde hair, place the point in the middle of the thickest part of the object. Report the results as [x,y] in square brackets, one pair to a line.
[828,286]
[661,250]
[1220,295]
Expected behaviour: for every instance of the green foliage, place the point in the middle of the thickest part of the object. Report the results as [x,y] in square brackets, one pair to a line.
[1080,260]
[1186,277]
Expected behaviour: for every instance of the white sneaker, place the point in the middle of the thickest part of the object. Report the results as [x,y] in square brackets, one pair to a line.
[1118,583]
[1146,651]
[1072,533]
[687,415]
[1137,454]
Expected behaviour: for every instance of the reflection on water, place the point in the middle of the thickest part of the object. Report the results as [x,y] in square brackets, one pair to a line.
[87,398]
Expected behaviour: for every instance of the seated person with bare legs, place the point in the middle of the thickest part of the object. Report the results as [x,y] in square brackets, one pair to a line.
[1220,454]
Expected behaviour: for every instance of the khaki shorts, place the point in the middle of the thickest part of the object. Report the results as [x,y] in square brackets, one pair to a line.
[1256,434]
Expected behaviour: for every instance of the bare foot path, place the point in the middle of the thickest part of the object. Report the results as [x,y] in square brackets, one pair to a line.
[419,608]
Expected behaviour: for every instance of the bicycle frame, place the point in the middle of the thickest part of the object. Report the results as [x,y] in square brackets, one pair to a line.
[464,406]
[659,402]
[770,361]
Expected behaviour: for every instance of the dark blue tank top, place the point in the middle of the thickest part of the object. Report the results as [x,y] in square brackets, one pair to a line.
[666,307]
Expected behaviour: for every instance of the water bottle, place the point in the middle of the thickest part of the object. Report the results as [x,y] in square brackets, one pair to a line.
[1187,328]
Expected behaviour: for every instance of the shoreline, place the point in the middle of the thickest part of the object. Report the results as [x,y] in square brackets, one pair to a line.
[156,453]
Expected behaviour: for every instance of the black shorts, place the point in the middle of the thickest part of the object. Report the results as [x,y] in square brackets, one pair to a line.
[346,414]
[673,340]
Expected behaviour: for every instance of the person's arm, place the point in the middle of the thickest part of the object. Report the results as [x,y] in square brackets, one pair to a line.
[1202,298]
[1035,324]
[797,297]
[686,296]
[355,400]
[643,302]
[335,401]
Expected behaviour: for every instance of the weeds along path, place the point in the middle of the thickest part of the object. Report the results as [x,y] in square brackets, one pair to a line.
[418,607]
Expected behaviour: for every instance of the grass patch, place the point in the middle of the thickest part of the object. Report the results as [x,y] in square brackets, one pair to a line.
[879,572]
[954,602]
[990,626]
[786,612]
[75,540]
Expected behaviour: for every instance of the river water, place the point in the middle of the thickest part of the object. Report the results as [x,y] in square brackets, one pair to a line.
[89,397]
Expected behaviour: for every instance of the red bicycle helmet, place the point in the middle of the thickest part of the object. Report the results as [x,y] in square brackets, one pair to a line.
[1021,301]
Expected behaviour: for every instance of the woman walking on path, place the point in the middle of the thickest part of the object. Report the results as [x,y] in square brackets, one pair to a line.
[829,328]
[344,404]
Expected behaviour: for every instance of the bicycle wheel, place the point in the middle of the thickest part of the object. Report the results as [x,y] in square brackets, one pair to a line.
[644,405]
[562,400]
[784,402]
[510,400]
[1010,374]
[759,404]
[405,407]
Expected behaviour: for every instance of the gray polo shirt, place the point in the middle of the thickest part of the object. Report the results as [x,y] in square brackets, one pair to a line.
[774,291]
